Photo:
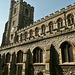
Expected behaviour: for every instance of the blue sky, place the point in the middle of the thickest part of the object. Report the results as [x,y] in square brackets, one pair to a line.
[42,9]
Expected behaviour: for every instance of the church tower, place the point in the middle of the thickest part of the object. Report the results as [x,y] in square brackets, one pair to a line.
[21,14]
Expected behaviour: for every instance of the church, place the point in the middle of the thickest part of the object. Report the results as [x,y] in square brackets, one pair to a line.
[44,47]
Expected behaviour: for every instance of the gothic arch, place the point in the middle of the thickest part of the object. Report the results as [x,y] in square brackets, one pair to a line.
[59,18]
[59,23]
[67,52]
[8,56]
[36,31]
[43,29]
[38,47]
[50,26]
[37,55]
[66,41]
[70,14]
[20,57]
[70,19]
[31,33]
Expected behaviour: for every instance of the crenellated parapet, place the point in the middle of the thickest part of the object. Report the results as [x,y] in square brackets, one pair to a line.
[28,5]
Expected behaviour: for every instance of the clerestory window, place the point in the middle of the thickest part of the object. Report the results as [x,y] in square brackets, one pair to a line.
[43,29]
[70,18]
[36,31]
[60,23]
[50,27]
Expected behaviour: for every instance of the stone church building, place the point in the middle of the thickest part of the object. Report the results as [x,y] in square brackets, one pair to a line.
[45,47]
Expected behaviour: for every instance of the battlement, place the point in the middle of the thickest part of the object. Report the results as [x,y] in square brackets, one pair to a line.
[52,15]
[28,5]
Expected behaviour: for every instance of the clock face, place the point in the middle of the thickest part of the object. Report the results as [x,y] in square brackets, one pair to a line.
[12,29]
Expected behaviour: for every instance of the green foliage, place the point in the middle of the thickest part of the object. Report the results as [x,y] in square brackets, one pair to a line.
[54,61]
[13,65]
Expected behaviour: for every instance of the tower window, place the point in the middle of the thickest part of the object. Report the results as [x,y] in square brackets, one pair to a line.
[14,10]
[11,36]
[13,22]
[26,11]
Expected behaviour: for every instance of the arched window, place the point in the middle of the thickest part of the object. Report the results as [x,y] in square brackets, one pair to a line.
[17,39]
[36,31]
[14,10]
[67,53]
[20,37]
[26,35]
[60,23]
[37,55]
[50,26]
[26,11]
[20,57]
[14,58]
[43,29]
[40,73]
[31,33]
[70,18]
[8,58]
[11,36]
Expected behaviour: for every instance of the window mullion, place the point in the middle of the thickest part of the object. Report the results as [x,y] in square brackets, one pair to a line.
[67,53]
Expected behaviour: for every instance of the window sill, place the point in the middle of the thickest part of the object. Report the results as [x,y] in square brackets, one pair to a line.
[67,63]
[70,24]
[19,63]
[38,64]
